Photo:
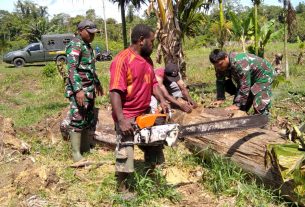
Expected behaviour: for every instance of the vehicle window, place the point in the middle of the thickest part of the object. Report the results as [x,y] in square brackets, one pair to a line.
[34,47]
[66,41]
[51,42]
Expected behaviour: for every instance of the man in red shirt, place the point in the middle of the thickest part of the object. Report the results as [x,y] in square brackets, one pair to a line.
[132,82]
[173,88]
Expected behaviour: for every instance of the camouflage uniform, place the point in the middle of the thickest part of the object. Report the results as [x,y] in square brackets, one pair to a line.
[253,77]
[81,76]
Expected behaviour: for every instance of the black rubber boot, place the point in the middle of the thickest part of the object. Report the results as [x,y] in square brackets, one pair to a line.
[85,141]
[76,144]
[121,178]
[122,187]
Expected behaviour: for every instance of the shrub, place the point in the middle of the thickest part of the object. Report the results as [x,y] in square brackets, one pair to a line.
[49,70]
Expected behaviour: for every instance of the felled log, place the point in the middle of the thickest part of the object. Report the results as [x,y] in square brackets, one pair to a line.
[248,149]
[104,133]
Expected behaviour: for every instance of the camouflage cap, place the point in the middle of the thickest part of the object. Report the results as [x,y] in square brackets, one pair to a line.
[88,25]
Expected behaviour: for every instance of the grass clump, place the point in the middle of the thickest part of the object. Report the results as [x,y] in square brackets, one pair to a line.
[223,177]
[149,190]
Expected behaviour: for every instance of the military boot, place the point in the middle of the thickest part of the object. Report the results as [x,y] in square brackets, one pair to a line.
[76,144]
[85,141]
[122,187]
[121,181]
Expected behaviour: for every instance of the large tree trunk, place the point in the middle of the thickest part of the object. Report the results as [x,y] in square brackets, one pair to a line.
[285,48]
[168,35]
[248,149]
[256,28]
[221,25]
[124,24]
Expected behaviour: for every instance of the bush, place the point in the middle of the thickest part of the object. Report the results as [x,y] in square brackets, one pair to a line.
[50,70]
[17,44]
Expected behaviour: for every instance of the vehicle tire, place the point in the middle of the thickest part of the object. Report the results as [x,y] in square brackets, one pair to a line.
[19,62]
[98,57]
[61,59]
[109,58]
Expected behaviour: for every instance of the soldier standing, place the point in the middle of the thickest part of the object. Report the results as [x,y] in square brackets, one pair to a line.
[132,82]
[252,75]
[82,86]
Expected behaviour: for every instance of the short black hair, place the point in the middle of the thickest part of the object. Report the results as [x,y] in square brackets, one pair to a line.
[140,30]
[217,55]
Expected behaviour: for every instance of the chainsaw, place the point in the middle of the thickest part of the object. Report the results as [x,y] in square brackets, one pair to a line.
[149,132]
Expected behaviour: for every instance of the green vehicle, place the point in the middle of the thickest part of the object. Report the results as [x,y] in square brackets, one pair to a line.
[51,48]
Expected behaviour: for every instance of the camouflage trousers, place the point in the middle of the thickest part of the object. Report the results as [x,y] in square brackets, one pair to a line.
[262,101]
[81,117]
[259,97]
[124,153]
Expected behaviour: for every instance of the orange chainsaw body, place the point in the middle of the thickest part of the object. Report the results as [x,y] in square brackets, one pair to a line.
[148,120]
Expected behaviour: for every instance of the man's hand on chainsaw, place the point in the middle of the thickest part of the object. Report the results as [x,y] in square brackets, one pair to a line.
[126,127]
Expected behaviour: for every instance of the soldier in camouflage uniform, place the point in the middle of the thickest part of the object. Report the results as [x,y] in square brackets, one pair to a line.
[82,85]
[252,75]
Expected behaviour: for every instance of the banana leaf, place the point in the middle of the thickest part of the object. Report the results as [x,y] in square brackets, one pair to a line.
[290,161]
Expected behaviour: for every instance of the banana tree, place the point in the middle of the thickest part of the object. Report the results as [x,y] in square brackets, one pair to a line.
[242,28]
[266,33]
[175,20]
[224,31]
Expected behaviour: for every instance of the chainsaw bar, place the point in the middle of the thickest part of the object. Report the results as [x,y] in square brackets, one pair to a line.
[224,125]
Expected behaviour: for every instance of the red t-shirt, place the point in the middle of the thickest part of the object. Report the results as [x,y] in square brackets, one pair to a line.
[134,76]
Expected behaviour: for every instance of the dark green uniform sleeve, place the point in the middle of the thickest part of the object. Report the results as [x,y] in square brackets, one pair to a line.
[73,52]
[96,80]
[220,86]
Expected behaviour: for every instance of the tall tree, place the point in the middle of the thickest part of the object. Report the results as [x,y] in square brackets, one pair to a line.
[256,5]
[176,18]
[221,24]
[122,5]
[289,18]
[224,27]
[90,14]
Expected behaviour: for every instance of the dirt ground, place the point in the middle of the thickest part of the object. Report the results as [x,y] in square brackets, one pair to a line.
[24,181]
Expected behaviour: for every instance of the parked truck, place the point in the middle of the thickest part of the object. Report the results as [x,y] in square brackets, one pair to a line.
[50,48]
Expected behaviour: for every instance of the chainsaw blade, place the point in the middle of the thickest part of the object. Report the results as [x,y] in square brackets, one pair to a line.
[224,125]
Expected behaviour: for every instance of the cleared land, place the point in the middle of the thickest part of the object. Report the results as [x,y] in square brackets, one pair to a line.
[35,104]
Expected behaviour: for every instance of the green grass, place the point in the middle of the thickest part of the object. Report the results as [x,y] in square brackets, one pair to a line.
[223,177]
[28,97]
